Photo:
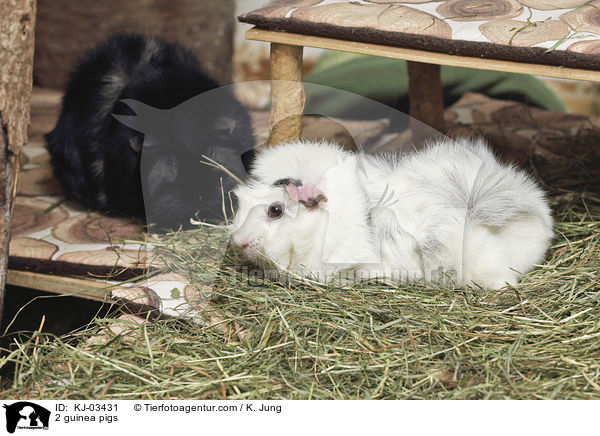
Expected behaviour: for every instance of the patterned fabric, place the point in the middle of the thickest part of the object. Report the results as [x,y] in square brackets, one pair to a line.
[563,32]
[522,134]
[50,234]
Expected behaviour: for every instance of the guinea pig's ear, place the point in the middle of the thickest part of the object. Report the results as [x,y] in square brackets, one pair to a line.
[304,192]
[248,159]
[225,125]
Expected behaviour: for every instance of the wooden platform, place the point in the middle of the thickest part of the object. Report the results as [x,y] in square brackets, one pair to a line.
[533,33]
[552,39]
[427,57]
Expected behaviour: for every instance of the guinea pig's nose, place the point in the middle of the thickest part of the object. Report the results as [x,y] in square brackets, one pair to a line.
[240,241]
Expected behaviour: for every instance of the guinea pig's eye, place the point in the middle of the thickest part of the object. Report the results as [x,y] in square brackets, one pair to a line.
[275,211]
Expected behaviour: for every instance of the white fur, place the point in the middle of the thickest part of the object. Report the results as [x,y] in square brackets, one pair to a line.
[451,212]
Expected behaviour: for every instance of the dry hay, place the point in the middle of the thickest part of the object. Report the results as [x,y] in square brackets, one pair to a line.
[538,340]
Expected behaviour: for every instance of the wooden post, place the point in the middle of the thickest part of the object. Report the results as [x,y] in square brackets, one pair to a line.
[287,94]
[426,98]
[17,22]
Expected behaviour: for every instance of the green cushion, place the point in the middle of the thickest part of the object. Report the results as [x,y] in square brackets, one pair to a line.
[386,80]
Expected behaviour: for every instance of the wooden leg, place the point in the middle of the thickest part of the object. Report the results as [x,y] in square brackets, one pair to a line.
[17,22]
[425,96]
[287,94]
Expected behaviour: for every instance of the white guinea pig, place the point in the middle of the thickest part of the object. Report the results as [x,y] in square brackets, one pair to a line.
[450,212]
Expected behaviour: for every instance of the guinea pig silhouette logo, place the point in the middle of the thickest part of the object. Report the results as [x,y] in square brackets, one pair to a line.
[189,156]
[26,415]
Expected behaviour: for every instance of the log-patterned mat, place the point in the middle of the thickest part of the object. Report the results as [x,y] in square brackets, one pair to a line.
[551,32]
[52,235]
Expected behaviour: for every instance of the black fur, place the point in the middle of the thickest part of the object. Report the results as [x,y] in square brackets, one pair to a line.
[288,181]
[248,160]
[97,158]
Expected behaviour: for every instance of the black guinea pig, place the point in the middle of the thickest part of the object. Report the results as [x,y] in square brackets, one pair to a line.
[138,116]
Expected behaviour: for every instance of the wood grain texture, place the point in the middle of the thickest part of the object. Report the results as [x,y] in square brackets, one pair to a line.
[548,5]
[38,181]
[45,110]
[90,289]
[479,10]
[30,247]
[384,17]
[584,19]
[33,214]
[94,228]
[17,21]
[198,296]
[402,1]
[422,56]
[36,153]
[280,8]
[426,98]
[138,294]
[118,258]
[588,47]
[287,94]
[523,34]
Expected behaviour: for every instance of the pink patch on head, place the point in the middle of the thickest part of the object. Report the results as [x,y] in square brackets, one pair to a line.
[292,190]
[307,194]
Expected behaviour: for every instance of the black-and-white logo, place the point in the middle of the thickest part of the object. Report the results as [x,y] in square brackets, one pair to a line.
[26,415]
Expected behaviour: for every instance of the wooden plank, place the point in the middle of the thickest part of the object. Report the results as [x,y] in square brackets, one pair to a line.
[83,288]
[17,22]
[287,94]
[425,97]
[422,56]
